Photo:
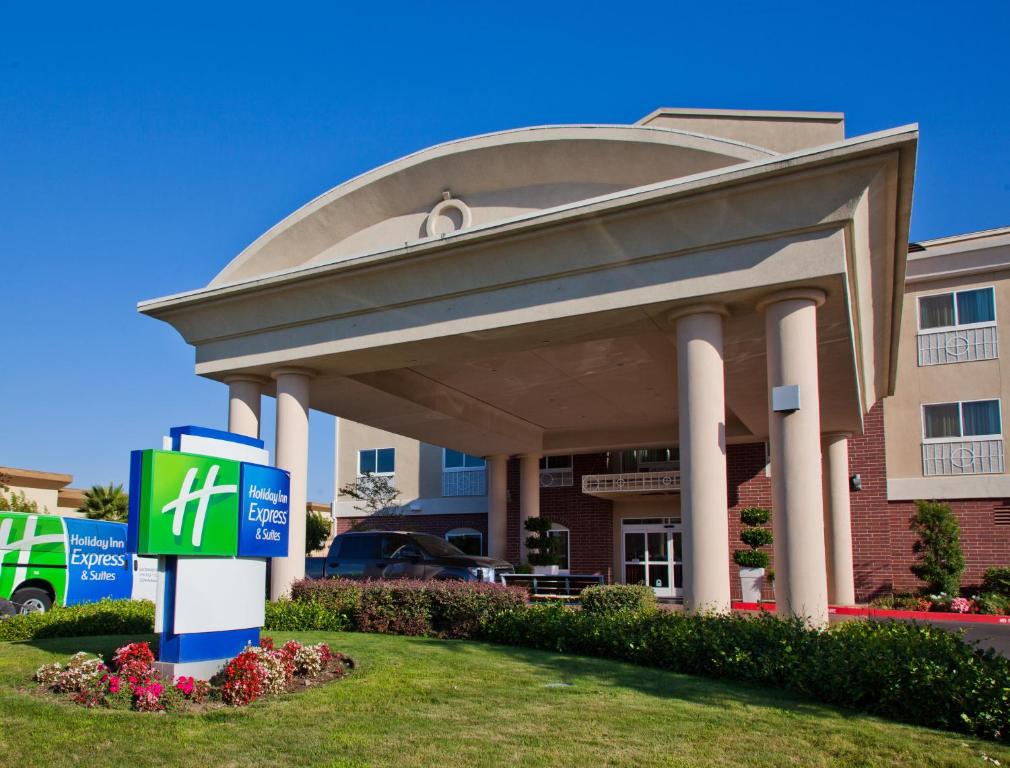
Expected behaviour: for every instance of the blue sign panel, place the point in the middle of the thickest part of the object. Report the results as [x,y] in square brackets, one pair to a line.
[264,511]
[98,564]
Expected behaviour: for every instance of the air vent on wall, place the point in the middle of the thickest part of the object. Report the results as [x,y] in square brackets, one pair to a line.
[1001,514]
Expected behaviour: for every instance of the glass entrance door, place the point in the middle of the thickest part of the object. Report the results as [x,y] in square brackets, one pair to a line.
[652,555]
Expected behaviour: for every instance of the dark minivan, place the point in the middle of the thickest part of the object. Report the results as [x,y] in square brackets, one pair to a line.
[404,555]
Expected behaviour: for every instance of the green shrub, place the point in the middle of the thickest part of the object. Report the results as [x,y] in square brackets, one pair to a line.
[304,616]
[993,602]
[997,580]
[439,608]
[939,559]
[607,598]
[908,672]
[754,537]
[755,516]
[107,617]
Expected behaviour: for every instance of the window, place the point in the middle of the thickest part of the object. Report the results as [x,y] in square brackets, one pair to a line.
[956,421]
[454,461]
[561,535]
[556,462]
[376,461]
[468,540]
[957,308]
[359,547]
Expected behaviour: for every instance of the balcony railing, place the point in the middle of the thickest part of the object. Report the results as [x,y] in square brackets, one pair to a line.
[960,345]
[464,482]
[666,481]
[964,457]
[556,478]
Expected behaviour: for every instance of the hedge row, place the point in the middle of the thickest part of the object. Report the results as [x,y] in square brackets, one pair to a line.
[450,609]
[912,673]
[107,617]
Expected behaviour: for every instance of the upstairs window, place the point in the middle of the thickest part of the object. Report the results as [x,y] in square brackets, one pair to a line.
[957,309]
[377,461]
[556,462]
[457,460]
[961,420]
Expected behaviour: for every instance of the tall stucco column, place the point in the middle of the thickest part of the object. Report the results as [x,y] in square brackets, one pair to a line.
[702,417]
[497,506]
[292,454]
[529,496]
[801,586]
[837,518]
[244,395]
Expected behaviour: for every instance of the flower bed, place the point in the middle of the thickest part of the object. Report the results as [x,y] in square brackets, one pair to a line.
[988,603]
[129,680]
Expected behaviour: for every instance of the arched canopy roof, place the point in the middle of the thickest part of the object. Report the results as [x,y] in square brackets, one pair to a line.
[497,176]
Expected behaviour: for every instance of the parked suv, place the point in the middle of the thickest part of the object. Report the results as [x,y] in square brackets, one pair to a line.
[403,555]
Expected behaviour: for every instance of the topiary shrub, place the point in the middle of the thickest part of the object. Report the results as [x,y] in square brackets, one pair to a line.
[997,580]
[541,547]
[754,537]
[608,598]
[939,559]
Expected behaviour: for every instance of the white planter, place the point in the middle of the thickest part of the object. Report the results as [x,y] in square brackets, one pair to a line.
[546,570]
[751,580]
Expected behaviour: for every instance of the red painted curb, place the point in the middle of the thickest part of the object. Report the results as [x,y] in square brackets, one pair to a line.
[883,613]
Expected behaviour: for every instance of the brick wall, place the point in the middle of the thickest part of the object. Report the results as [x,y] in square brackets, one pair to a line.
[881,536]
[437,525]
[588,519]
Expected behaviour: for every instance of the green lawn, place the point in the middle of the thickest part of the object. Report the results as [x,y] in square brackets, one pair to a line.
[418,702]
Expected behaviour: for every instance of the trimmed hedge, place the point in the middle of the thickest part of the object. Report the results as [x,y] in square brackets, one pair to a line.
[907,672]
[997,580]
[607,598]
[450,609]
[106,617]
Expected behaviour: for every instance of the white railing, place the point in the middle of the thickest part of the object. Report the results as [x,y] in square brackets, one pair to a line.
[464,482]
[960,345]
[667,481]
[965,457]
[556,478]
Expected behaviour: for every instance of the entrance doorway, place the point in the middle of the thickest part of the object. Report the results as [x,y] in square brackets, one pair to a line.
[652,553]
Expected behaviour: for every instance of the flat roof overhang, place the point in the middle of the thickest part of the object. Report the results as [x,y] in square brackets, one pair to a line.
[550,332]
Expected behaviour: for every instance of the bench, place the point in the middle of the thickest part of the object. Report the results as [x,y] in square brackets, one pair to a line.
[563,587]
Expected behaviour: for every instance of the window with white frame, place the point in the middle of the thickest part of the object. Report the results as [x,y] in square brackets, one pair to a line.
[562,538]
[377,461]
[957,309]
[961,420]
[455,461]
[467,539]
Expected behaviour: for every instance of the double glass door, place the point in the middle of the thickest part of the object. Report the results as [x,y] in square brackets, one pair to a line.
[652,554]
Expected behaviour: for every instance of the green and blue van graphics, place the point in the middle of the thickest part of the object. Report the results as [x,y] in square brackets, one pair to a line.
[72,560]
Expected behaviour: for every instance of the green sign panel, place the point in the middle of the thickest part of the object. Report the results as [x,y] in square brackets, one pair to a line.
[189,504]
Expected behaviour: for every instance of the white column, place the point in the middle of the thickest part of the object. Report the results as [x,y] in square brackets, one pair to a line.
[292,454]
[702,417]
[801,586]
[529,496]
[837,518]
[244,394]
[497,506]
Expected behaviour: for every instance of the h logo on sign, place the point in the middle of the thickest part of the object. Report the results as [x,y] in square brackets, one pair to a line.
[202,497]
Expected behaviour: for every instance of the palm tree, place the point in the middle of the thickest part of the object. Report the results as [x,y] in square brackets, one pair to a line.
[105,503]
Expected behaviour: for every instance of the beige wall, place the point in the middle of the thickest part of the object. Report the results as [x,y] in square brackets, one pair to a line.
[353,437]
[916,386]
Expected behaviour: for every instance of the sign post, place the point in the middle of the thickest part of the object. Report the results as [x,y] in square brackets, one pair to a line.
[212,518]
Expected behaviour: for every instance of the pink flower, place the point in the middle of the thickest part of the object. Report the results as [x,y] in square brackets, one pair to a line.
[960,605]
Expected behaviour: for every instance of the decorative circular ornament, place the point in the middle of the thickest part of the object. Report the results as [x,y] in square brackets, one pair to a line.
[450,215]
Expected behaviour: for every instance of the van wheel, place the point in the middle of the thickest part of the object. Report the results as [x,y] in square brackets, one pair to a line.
[32,600]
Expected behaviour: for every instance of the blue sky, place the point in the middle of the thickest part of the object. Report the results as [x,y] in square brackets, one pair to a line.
[142,147]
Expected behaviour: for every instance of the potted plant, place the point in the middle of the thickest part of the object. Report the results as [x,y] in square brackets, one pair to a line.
[541,547]
[753,561]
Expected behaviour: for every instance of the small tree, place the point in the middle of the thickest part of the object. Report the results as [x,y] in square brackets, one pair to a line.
[754,536]
[541,547]
[106,502]
[16,501]
[317,531]
[939,559]
[374,492]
